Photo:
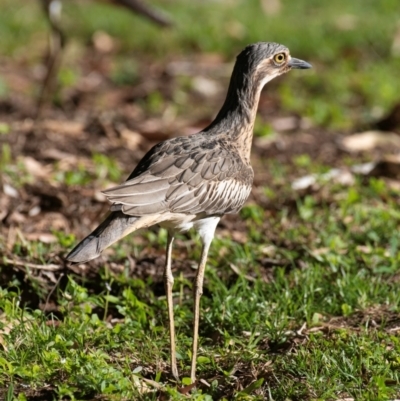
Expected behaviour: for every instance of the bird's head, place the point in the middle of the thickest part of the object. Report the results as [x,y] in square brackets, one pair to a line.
[264,61]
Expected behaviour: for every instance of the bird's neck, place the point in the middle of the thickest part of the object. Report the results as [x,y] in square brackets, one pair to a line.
[238,113]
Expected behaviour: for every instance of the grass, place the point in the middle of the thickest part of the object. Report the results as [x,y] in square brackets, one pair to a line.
[330,266]
[301,294]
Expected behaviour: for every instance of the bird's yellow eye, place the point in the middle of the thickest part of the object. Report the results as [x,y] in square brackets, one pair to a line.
[280,58]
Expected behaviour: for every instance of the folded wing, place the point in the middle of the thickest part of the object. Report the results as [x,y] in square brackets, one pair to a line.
[175,178]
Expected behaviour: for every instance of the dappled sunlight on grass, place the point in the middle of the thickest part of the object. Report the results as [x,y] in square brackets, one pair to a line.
[301,297]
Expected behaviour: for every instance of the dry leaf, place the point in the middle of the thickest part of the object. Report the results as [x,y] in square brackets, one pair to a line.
[42,237]
[56,154]
[285,123]
[132,139]
[73,128]
[103,42]
[6,326]
[339,176]
[206,87]
[320,251]
[370,140]
[271,7]
[364,248]
[35,168]
[10,191]
[346,22]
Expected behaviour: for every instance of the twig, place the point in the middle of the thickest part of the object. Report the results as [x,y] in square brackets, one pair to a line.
[50,267]
[52,290]
[239,273]
[152,13]
[52,10]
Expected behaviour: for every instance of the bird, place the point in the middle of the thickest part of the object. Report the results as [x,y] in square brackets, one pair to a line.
[190,182]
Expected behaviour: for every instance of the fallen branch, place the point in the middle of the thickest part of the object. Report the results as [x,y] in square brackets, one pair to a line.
[49,267]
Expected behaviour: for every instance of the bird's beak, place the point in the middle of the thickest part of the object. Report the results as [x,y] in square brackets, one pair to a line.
[299,64]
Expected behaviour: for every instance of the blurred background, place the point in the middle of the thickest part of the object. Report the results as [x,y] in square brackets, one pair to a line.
[87,87]
[355,48]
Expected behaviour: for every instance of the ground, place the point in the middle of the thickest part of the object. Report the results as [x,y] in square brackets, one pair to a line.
[301,297]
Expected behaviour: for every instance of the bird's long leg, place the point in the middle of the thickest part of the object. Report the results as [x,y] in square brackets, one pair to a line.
[169,282]
[198,291]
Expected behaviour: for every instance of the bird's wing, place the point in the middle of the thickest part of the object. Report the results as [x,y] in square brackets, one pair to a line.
[185,176]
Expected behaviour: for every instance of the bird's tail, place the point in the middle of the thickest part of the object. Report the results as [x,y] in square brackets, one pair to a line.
[114,227]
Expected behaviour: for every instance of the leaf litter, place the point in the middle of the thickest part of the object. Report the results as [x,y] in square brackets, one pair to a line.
[42,197]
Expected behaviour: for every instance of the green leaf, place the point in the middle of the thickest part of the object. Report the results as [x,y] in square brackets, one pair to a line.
[203,359]
[111,298]
[186,381]
[253,386]
[4,128]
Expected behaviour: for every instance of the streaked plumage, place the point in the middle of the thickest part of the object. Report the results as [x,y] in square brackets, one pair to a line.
[190,182]
[190,175]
